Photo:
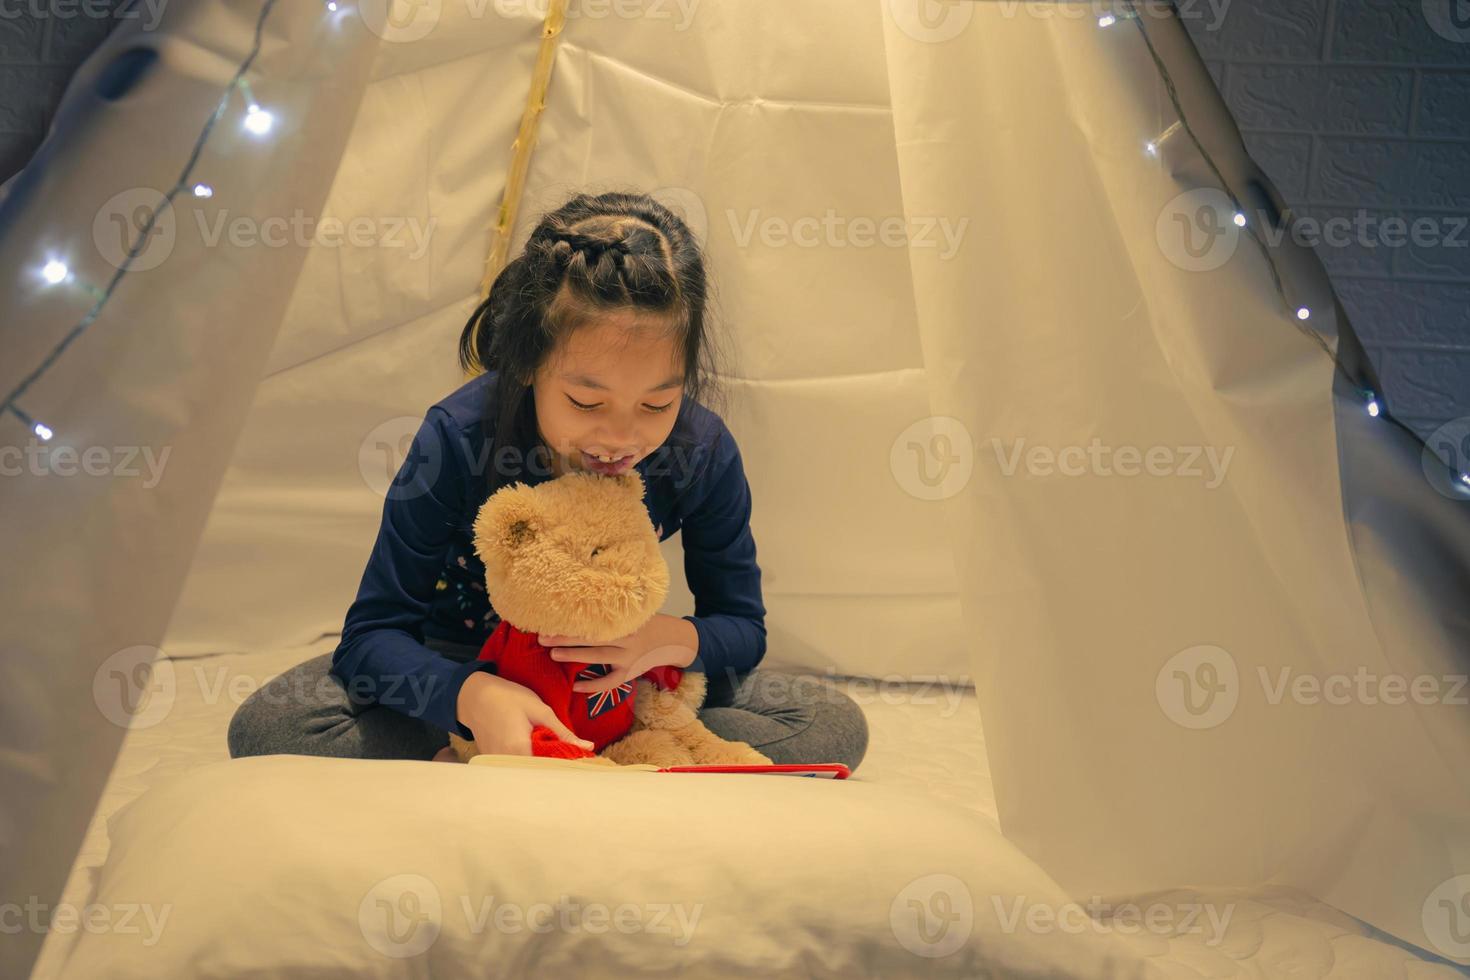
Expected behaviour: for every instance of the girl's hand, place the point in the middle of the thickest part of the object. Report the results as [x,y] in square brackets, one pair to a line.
[501,714]
[663,641]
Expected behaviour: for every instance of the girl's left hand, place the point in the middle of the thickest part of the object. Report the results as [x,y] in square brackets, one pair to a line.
[662,641]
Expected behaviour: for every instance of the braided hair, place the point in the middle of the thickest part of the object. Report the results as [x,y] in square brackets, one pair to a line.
[594,256]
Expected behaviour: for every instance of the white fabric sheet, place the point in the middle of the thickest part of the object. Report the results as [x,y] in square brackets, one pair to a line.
[258,832]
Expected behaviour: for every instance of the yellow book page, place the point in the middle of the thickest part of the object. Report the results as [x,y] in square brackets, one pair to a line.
[546,762]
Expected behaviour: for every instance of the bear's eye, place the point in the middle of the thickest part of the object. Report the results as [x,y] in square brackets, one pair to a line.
[594,552]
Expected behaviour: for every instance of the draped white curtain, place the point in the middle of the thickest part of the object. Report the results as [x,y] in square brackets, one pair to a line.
[98,525]
[952,275]
[1179,674]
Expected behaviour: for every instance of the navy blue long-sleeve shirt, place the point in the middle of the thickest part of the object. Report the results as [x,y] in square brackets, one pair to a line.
[423,578]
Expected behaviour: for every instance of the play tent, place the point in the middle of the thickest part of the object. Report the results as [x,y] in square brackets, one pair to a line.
[1029,395]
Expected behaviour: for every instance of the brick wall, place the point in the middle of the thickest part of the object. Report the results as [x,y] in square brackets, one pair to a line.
[37,57]
[1360,111]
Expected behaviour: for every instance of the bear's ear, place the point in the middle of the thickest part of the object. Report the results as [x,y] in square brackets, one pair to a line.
[520,532]
[509,521]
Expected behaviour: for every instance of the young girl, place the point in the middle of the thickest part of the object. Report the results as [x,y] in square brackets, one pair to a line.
[594,357]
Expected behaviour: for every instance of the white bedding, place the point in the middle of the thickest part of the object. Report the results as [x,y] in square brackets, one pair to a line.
[919,814]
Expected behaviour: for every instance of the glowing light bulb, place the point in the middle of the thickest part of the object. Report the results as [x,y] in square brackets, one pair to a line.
[258,121]
[1106,20]
[332,6]
[1373,408]
[1155,146]
[1239,220]
[203,190]
[1303,314]
[55,272]
[43,431]
[1465,479]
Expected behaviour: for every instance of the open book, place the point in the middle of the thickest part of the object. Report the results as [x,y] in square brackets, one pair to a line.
[823,770]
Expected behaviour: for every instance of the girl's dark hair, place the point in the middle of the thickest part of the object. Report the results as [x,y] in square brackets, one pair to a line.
[594,255]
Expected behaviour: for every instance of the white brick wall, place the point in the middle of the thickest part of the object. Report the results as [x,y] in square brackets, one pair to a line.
[1362,108]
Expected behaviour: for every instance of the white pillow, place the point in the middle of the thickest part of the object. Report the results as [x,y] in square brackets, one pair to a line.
[294,866]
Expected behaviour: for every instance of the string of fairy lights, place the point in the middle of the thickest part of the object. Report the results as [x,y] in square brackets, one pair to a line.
[54,271]
[1372,404]
[260,121]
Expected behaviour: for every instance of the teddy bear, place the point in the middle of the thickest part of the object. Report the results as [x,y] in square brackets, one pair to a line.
[578,556]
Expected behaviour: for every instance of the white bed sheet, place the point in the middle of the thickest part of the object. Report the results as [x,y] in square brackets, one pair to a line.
[925,740]
[206,689]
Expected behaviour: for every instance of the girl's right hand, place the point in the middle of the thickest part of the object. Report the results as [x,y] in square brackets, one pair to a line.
[501,714]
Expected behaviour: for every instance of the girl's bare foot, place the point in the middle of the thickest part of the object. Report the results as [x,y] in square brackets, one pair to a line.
[445,754]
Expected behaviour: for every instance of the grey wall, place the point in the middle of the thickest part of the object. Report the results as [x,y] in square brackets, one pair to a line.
[1358,109]
[1362,107]
[37,57]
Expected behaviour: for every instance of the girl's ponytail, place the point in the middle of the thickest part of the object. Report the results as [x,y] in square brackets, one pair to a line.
[478,348]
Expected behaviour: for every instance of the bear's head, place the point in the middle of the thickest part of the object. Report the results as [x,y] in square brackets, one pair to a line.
[574,556]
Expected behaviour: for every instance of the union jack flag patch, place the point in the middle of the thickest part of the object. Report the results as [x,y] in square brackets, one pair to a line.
[601,701]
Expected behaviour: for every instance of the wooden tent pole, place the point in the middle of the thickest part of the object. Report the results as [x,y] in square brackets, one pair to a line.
[515,181]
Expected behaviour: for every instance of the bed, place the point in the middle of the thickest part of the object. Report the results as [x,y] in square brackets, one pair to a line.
[466,870]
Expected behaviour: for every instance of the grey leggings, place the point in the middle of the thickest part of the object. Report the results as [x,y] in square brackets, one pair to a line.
[789,719]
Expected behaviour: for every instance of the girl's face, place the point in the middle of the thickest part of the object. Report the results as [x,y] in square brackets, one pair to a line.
[612,390]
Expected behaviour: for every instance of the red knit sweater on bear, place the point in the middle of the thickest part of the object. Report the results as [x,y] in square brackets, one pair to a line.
[601,717]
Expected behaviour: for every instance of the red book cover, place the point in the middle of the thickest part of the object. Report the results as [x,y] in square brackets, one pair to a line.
[821,770]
